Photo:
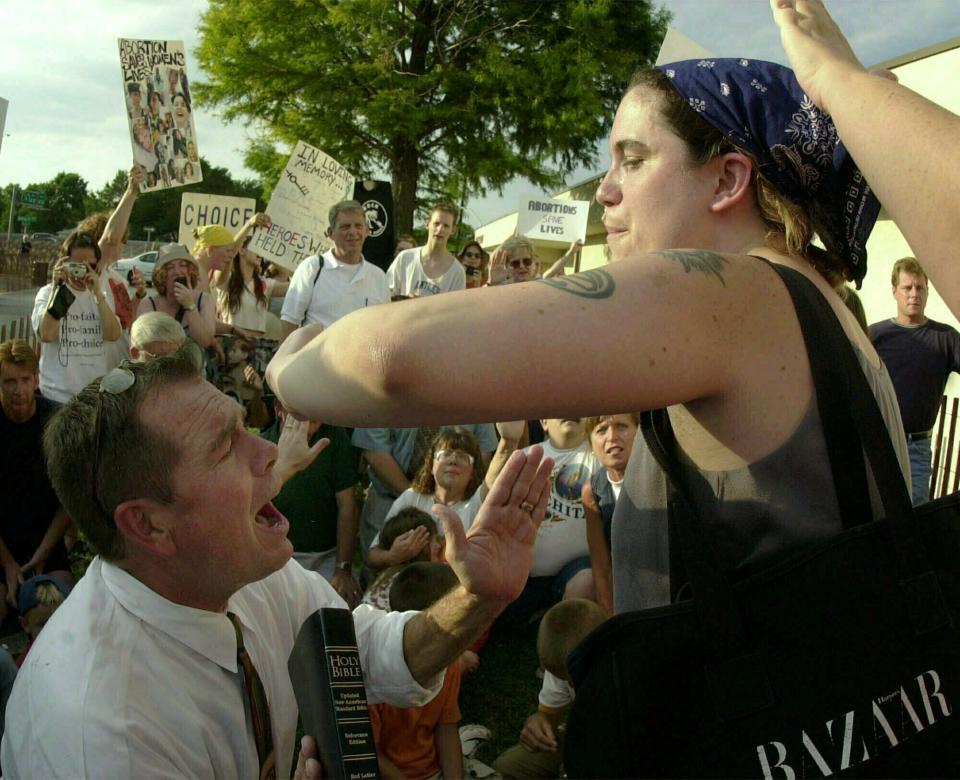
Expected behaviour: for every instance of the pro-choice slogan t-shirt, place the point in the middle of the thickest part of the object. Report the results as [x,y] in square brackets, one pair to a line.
[79,355]
[562,536]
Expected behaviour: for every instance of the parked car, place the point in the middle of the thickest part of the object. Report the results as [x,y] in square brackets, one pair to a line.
[43,237]
[144,262]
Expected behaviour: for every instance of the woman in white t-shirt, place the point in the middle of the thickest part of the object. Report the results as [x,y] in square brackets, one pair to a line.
[243,299]
[451,474]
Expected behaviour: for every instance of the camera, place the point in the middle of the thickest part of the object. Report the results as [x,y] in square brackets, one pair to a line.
[77,270]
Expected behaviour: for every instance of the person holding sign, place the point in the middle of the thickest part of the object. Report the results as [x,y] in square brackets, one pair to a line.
[430,269]
[326,287]
[243,300]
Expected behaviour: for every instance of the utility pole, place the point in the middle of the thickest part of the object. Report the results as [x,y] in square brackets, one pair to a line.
[13,202]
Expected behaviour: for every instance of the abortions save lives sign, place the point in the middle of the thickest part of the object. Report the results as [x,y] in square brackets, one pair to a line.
[198,209]
[310,184]
[160,112]
[547,219]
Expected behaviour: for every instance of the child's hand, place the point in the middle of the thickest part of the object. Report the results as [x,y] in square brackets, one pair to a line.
[537,734]
[409,545]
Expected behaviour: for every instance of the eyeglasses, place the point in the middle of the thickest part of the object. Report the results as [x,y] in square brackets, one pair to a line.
[457,456]
[115,382]
[526,261]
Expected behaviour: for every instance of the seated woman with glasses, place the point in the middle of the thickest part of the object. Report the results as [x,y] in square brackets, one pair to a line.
[452,474]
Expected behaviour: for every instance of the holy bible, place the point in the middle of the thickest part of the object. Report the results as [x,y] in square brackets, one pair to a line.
[328,682]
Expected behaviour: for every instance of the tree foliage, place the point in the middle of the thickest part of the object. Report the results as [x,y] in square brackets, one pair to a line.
[451,97]
[68,201]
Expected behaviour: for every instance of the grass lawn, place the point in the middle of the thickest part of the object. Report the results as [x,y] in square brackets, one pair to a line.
[502,693]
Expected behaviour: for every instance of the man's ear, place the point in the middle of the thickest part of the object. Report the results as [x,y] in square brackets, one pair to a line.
[734,173]
[329,232]
[146,524]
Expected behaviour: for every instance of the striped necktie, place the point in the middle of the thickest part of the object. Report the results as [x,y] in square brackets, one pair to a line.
[259,709]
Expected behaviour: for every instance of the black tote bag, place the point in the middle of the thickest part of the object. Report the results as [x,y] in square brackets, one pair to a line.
[841,658]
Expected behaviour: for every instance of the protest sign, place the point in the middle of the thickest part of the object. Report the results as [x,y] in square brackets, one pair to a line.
[159,112]
[677,46]
[3,117]
[546,219]
[197,210]
[310,184]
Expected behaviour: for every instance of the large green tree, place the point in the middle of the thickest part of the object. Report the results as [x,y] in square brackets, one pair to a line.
[451,97]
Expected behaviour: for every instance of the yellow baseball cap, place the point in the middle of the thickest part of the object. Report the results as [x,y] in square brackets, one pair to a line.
[212,235]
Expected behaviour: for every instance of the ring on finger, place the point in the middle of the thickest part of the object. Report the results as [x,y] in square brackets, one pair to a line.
[526,506]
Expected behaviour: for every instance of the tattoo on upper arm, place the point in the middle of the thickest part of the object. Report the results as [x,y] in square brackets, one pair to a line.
[596,283]
[697,259]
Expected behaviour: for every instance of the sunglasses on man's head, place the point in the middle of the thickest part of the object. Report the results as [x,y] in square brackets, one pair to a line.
[526,261]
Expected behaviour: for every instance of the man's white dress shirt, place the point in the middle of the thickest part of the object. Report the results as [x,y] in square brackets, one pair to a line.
[124,683]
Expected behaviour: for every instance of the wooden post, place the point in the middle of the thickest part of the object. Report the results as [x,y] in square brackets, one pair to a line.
[938,443]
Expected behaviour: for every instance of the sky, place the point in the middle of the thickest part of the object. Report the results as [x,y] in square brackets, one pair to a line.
[61,73]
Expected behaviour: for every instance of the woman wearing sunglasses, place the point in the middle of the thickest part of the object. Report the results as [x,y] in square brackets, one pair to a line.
[474,261]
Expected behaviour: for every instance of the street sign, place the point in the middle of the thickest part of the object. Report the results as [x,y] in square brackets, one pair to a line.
[33,198]
[27,219]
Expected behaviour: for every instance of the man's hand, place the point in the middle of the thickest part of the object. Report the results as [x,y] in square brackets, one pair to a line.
[308,766]
[295,452]
[816,47]
[346,585]
[537,734]
[494,559]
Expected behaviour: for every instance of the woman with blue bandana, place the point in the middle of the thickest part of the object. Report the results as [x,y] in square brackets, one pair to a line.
[722,171]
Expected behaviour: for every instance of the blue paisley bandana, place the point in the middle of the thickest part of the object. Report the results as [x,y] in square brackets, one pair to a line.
[760,107]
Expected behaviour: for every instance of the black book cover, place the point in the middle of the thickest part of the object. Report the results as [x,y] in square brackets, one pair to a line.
[327,679]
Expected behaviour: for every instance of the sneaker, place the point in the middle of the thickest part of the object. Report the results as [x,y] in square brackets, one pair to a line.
[472,736]
[478,769]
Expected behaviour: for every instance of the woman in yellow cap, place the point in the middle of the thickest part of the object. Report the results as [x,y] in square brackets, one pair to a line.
[215,247]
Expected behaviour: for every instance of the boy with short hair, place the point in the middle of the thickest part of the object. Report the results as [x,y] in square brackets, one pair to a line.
[430,269]
[561,558]
[421,742]
[540,752]
[38,599]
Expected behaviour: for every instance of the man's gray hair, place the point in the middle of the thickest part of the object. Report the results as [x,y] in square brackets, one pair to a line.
[344,205]
[155,326]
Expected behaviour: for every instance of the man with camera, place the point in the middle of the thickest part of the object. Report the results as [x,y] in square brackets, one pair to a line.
[74,320]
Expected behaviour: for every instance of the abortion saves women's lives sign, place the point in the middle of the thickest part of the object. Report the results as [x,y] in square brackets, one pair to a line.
[198,209]
[156,92]
[548,219]
[310,184]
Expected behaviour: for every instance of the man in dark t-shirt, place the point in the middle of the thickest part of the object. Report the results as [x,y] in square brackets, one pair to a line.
[32,522]
[919,354]
[321,506]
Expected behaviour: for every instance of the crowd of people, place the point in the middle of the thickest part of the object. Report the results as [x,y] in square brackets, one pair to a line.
[394,454]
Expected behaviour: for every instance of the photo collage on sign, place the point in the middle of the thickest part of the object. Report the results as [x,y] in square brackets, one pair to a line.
[160,111]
